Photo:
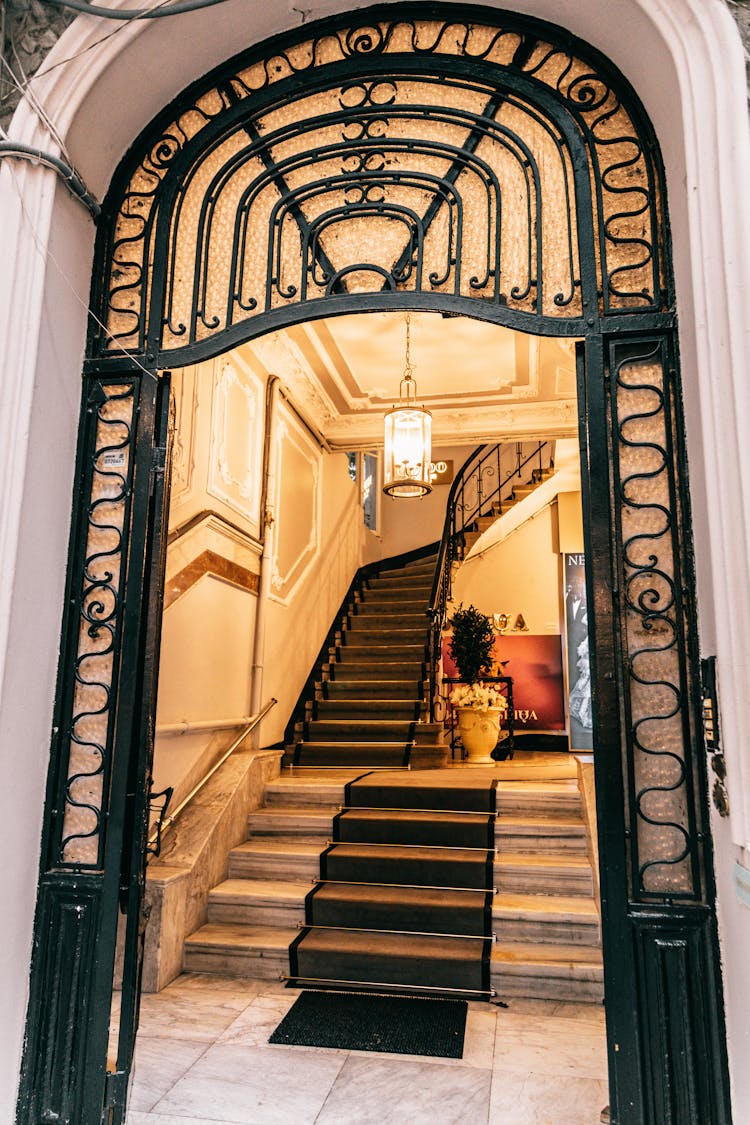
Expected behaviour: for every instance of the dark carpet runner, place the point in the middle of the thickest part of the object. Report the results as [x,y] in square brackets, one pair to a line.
[371,693]
[405,892]
[398,1024]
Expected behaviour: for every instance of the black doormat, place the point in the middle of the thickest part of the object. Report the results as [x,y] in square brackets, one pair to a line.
[359,1022]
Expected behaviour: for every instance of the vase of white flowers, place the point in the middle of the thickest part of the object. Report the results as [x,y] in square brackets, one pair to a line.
[480,710]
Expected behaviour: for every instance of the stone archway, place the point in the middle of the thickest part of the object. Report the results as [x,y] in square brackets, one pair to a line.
[591,265]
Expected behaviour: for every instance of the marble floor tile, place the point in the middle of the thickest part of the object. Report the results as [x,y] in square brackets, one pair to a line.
[582,1013]
[159,1063]
[262,1085]
[523,1007]
[199,1017]
[136,1118]
[255,1024]
[207,984]
[380,1091]
[555,1047]
[539,1099]
[203,1058]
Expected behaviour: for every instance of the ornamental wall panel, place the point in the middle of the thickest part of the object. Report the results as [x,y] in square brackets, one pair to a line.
[298,508]
[235,462]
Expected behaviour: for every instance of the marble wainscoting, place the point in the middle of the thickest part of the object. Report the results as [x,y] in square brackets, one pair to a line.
[203,1058]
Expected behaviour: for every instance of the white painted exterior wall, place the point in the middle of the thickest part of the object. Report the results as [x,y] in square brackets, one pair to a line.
[684,58]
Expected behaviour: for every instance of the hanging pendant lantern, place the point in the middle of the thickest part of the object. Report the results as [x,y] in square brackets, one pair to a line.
[408,439]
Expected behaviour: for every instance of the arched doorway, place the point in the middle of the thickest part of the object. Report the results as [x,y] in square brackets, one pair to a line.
[452,163]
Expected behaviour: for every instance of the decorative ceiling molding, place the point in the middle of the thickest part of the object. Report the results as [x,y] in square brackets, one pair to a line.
[344,372]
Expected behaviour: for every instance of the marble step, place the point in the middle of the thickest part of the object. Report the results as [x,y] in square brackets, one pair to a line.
[538,835]
[526,799]
[380,633]
[546,919]
[297,857]
[285,858]
[254,952]
[360,755]
[538,475]
[384,619]
[547,972]
[380,661]
[293,820]
[311,792]
[357,710]
[520,492]
[259,902]
[539,919]
[545,798]
[538,971]
[370,689]
[400,599]
[420,567]
[567,874]
[360,730]
[415,586]
[408,613]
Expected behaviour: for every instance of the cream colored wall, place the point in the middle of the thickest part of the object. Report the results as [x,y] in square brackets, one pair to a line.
[520,574]
[408,524]
[318,512]
[316,546]
[207,631]
[206,650]
[517,559]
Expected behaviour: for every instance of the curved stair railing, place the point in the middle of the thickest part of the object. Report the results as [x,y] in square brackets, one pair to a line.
[481,487]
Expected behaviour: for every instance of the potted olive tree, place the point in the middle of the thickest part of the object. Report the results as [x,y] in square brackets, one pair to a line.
[479,706]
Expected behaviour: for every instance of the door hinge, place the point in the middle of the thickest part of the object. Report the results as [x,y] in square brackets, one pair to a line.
[115,1094]
[158,458]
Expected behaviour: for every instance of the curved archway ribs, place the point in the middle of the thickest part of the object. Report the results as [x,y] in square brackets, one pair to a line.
[448,159]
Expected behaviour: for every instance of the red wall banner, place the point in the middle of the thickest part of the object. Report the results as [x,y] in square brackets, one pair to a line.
[535,663]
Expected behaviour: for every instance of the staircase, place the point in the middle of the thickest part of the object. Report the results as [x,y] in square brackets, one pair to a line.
[499,508]
[543,913]
[368,707]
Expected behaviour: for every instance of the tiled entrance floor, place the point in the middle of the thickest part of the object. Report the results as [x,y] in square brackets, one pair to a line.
[203,1057]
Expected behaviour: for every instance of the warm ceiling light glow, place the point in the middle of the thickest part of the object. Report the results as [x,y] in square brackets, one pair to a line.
[408,439]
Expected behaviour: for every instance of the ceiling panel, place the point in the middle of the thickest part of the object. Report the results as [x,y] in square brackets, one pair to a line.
[478,379]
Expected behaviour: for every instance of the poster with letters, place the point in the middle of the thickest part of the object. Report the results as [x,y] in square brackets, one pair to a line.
[577,648]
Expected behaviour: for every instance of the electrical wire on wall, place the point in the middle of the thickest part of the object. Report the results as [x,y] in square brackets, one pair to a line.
[162,9]
[22,82]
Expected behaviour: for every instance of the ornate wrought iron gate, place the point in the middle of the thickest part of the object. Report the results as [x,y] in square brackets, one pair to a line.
[442,157]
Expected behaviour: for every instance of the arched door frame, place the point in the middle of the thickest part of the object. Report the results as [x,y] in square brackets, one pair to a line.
[667,1058]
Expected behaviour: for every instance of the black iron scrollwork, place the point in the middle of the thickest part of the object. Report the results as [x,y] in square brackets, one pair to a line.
[663,834]
[427,181]
[159,803]
[100,610]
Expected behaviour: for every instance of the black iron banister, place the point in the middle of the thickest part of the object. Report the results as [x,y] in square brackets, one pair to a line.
[485,462]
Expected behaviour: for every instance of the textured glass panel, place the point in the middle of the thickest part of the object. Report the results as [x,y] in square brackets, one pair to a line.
[99,628]
[464,188]
[648,526]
